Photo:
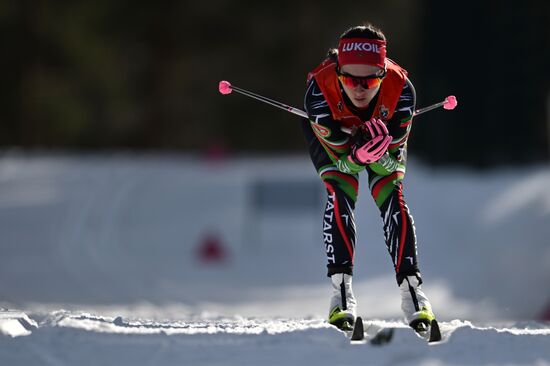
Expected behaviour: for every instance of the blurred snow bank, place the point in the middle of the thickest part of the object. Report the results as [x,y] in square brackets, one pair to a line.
[98,230]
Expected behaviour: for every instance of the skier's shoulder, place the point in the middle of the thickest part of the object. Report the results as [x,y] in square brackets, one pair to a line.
[321,82]
[315,102]
[408,94]
[328,64]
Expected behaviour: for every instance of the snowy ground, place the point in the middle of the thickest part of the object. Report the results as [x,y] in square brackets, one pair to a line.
[99,264]
[71,338]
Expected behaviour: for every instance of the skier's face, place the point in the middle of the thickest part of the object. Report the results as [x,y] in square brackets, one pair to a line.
[360,96]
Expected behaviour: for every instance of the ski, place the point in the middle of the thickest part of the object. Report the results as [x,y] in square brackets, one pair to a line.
[358,333]
[383,335]
[432,333]
[435,332]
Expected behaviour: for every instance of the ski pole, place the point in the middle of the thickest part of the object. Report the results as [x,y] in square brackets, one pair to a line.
[449,104]
[225,87]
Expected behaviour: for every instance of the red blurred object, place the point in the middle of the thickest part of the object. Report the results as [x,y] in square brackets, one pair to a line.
[545,316]
[212,250]
[216,151]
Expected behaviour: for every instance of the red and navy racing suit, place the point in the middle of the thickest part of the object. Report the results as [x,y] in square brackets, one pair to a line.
[329,148]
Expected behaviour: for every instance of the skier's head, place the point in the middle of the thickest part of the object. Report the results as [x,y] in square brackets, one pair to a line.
[361,60]
[366,30]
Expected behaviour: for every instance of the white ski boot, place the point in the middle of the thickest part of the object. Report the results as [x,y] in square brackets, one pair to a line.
[342,311]
[415,304]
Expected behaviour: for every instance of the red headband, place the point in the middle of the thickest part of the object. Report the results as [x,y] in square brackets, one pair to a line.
[362,51]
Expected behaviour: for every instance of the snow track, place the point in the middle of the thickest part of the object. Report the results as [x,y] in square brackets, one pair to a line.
[114,239]
[68,338]
[237,325]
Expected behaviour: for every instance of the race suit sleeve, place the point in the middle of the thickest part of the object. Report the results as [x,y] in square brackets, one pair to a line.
[338,144]
[399,127]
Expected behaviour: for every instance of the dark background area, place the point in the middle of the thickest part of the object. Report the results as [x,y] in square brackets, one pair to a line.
[95,75]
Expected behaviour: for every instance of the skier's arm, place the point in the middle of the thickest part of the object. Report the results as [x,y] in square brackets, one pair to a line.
[336,143]
[399,126]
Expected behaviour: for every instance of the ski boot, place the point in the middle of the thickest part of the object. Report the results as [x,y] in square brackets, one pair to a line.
[422,320]
[415,304]
[343,306]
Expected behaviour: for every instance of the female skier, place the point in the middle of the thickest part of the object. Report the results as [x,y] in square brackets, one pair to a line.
[360,106]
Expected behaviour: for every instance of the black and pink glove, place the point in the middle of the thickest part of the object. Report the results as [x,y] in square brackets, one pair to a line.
[368,152]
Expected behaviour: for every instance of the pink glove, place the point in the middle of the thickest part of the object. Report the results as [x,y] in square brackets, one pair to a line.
[377,146]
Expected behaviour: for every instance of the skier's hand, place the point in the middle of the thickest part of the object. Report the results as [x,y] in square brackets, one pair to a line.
[372,128]
[367,152]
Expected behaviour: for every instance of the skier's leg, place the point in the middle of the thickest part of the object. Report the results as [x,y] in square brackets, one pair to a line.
[399,232]
[338,230]
[339,239]
[400,235]
[339,220]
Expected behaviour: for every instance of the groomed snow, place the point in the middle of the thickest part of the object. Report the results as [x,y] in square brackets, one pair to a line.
[99,264]
[69,338]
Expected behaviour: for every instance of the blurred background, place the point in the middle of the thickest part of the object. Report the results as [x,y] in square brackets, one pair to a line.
[126,177]
[118,74]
